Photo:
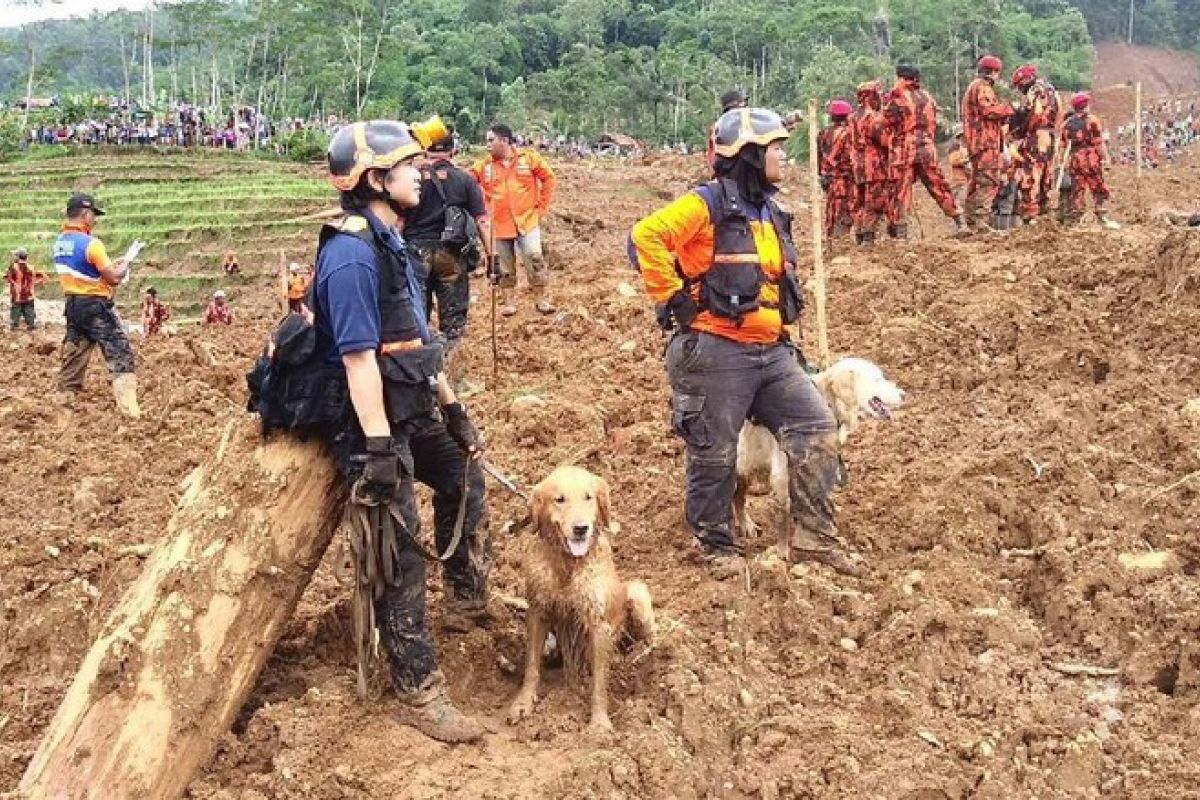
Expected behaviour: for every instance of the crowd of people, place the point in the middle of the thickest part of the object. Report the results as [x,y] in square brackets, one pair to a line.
[1168,127]
[182,125]
[1006,160]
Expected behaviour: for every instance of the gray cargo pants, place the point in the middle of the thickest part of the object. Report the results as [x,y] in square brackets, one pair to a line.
[717,384]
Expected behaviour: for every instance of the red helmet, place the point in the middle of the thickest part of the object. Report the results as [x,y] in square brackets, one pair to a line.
[1024,74]
[990,63]
[839,108]
[1081,100]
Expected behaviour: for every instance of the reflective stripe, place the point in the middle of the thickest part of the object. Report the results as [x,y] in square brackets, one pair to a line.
[400,347]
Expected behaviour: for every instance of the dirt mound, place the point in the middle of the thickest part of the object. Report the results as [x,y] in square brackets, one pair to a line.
[1161,71]
[1032,514]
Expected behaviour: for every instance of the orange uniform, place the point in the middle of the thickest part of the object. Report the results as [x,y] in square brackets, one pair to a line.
[682,234]
[518,191]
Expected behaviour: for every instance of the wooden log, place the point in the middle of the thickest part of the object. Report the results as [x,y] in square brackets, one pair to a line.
[181,651]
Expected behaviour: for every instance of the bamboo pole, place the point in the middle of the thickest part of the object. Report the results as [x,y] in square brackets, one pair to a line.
[818,243]
[1137,134]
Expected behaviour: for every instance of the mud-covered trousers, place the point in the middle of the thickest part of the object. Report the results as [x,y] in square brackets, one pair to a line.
[1087,175]
[439,463]
[92,322]
[716,385]
[446,279]
[400,609]
[841,206]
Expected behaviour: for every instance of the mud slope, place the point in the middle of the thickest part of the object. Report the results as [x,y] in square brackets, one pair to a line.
[1006,517]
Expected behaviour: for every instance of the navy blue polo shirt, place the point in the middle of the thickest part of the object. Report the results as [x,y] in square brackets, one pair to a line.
[347,291]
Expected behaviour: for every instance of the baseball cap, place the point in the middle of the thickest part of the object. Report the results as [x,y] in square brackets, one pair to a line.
[79,202]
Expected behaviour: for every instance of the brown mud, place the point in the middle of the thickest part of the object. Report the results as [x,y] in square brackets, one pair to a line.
[1034,507]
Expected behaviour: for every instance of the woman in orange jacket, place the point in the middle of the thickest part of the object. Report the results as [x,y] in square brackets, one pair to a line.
[719,262]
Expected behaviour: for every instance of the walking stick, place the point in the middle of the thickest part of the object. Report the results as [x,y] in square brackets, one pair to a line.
[1062,168]
[818,218]
[493,277]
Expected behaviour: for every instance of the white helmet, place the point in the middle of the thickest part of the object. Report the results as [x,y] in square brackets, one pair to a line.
[219,294]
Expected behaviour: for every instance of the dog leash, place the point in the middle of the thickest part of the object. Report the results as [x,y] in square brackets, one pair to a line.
[503,480]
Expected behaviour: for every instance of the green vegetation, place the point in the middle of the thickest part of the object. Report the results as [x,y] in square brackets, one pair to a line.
[651,69]
[188,208]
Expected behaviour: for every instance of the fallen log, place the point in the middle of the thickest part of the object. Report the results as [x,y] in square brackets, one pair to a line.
[181,651]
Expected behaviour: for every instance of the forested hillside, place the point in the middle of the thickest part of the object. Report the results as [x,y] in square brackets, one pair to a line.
[652,68]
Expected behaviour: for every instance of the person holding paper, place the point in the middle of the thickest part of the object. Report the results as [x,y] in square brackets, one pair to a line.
[89,279]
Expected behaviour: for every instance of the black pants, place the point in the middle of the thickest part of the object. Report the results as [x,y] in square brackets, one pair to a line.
[92,322]
[446,277]
[439,463]
[400,610]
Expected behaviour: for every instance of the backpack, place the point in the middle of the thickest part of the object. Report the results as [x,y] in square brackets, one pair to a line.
[460,233]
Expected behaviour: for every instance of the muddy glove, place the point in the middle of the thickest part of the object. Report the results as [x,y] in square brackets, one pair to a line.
[459,426]
[683,309]
[381,473]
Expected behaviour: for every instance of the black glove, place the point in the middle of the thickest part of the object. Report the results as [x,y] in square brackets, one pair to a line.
[381,473]
[826,182]
[683,309]
[459,426]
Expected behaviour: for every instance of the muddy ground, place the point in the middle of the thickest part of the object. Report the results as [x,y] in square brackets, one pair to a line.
[1050,442]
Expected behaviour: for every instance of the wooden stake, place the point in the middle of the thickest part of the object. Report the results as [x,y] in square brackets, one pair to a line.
[818,233]
[283,282]
[181,651]
[1137,136]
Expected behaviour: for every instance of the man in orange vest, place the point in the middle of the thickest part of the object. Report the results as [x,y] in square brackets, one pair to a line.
[518,186]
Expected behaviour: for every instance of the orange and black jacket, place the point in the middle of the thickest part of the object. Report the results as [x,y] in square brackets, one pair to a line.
[836,151]
[983,118]
[675,249]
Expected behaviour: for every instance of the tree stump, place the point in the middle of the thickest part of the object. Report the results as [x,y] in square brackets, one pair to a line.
[181,651]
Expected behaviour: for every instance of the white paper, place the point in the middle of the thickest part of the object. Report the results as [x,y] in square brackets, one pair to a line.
[130,255]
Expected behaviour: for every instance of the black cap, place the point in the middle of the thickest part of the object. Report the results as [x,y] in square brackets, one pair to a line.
[79,202]
[908,71]
[734,98]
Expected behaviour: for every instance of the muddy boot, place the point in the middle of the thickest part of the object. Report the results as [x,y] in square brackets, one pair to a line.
[961,228]
[460,615]
[125,392]
[542,304]
[868,238]
[430,711]
[813,475]
[1107,221]
[899,231]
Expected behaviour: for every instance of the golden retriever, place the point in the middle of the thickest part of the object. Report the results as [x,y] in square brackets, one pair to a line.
[573,590]
[855,389]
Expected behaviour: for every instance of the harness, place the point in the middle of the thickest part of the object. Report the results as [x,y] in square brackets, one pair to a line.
[732,286]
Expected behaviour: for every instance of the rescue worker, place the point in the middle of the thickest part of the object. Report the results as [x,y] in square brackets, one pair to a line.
[297,286]
[218,312]
[448,232]
[89,278]
[837,170]
[868,139]
[155,312]
[1083,131]
[911,115]
[518,186]
[1038,114]
[959,161]
[373,337]
[23,280]
[719,262]
[983,118]
[230,265]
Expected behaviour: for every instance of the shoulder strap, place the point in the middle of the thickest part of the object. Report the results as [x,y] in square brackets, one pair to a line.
[437,184]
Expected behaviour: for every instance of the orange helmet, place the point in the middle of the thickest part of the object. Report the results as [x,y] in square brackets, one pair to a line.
[742,126]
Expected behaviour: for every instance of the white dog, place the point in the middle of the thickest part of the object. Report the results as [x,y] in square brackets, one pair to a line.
[855,389]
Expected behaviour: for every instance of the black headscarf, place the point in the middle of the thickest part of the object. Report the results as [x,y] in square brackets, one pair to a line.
[748,170]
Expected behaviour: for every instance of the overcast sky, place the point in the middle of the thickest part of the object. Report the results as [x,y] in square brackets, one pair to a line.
[13,14]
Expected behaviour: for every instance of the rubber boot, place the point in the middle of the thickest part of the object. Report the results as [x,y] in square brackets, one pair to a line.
[961,228]
[125,392]
[899,231]
[868,239]
[430,711]
[542,304]
[813,475]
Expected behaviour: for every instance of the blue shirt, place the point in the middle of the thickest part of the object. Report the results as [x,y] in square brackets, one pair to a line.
[348,291]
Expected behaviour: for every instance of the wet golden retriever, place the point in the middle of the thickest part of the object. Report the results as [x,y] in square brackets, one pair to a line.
[573,590]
